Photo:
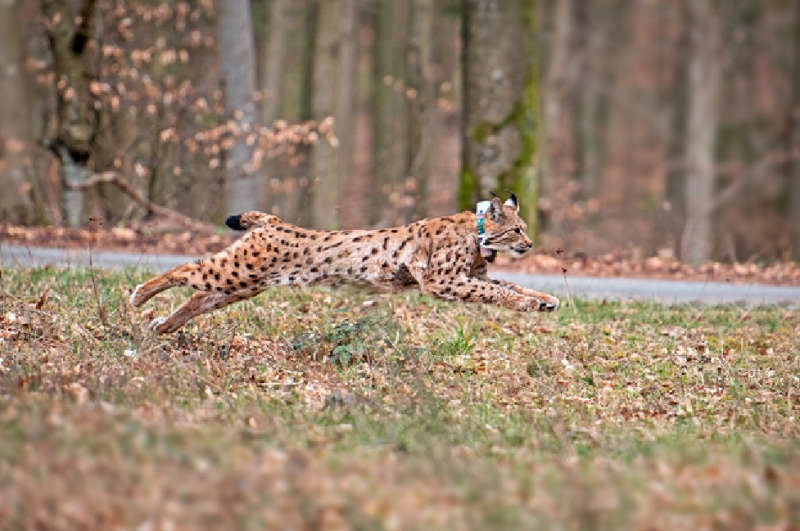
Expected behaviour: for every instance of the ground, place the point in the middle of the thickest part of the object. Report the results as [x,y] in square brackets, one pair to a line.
[329,409]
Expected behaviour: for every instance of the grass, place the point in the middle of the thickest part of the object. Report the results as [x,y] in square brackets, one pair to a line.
[330,409]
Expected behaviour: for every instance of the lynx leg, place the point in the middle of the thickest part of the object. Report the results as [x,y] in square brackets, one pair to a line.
[179,276]
[547,303]
[200,302]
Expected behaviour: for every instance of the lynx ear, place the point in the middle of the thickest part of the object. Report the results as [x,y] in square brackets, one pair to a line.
[512,201]
[495,212]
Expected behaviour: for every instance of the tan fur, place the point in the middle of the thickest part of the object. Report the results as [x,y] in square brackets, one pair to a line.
[439,256]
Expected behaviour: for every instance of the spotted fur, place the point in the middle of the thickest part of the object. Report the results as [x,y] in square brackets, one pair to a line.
[439,256]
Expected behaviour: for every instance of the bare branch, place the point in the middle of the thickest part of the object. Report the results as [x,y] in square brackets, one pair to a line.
[110,177]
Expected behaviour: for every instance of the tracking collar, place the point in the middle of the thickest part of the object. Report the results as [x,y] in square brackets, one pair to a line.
[480,213]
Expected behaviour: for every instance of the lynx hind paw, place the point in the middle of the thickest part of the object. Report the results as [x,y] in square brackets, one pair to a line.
[136,299]
[155,323]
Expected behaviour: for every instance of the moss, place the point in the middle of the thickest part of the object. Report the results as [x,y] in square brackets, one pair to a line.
[468,188]
[481,131]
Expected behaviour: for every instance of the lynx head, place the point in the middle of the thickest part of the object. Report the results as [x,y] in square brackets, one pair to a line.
[504,229]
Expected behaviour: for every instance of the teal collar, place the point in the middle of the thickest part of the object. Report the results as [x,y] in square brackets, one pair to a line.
[480,212]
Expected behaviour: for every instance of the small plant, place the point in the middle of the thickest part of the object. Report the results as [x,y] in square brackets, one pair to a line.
[460,343]
[351,342]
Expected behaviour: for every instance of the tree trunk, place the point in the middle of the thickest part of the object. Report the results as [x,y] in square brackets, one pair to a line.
[274,60]
[676,173]
[391,113]
[500,99]
[15,121]
[558,156]
[702,117]
[237,64]
[423,115]
[793,144]
[334,60]
[302,194]
[77,121]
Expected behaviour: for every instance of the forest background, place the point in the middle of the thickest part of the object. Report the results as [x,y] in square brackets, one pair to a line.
[663,127]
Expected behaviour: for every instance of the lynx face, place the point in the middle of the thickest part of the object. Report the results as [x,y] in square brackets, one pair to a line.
[505,230]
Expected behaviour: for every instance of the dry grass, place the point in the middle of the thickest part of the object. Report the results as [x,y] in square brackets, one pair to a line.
[335,409]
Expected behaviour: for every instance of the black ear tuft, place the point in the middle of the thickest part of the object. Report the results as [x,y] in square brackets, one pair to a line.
[512,199]
[234,222]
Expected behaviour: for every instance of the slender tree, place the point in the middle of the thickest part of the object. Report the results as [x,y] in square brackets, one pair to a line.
[390,131]
[423,114]
[237,64]
[334,95]
[274,60]
[15,121]
[500,102]
[793,143]
[704,76]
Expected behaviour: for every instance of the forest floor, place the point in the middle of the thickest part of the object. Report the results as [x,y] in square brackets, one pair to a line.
[313,408]
[151,238]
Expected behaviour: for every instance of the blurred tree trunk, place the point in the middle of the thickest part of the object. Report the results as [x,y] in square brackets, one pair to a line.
[423,116]
[500,103]
[302,192]
[793,143]
[334,95]
[391,113]
[69,34]
[237,64]
[558,156]
[676,172]
[15,120]
[323,167]
[556,85]
[274,60]
[279,194]
[346,96]
[593,78]
[702,118]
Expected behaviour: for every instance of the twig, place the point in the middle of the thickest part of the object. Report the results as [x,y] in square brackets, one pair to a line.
[559,253]
[93,222]
[566,287]
[110,177]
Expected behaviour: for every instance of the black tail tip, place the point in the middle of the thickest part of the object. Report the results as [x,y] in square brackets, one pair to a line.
[234,222]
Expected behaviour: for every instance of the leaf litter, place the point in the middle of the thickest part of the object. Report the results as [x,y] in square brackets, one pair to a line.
[328,409]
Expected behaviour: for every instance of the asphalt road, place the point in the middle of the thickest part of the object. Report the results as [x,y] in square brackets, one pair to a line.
[664,291]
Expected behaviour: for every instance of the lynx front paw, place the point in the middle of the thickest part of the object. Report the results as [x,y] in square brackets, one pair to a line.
[544,303]
[549,305]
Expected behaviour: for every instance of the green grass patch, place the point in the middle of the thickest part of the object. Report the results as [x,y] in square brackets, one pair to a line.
[319,408]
